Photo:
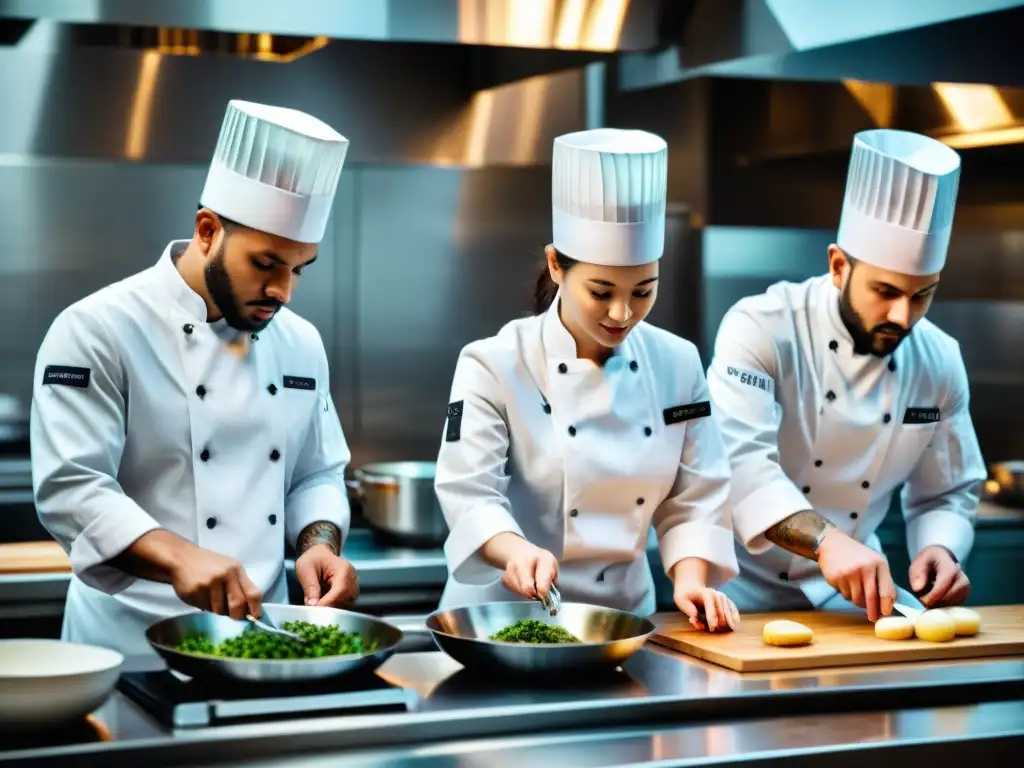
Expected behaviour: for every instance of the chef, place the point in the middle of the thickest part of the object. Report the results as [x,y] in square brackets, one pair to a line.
[182,423]
[570,433]
[835,392]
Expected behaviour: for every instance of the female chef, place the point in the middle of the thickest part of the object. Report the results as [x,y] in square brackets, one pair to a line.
[572,432]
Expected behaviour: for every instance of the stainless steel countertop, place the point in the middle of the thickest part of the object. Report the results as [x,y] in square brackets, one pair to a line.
[657,688]
[960,732]
[379,567]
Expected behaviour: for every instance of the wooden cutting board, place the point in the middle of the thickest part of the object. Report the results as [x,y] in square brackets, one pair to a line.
[33,557]
[839,640]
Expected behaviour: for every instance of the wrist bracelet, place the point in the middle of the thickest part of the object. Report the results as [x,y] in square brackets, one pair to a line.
[820,537]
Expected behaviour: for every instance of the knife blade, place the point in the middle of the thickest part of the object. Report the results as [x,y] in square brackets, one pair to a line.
[906,610]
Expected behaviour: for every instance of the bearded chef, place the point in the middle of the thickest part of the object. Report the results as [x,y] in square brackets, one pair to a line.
[835,392]
[570,433]
[182,423]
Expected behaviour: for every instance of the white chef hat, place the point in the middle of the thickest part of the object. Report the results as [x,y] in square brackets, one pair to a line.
[608,189]
[900,196]
[275,170]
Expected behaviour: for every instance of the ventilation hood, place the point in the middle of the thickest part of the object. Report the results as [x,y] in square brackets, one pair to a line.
[909,42]
[582,25]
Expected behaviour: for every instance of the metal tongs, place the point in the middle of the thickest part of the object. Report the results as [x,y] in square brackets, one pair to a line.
[553,603]
[268,626]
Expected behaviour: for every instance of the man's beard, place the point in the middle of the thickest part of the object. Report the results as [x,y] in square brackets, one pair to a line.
[865,341]
[218,283]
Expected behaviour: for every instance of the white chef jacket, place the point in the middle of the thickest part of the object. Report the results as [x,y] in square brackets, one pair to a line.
[810,425]
[141,419]
[581,460]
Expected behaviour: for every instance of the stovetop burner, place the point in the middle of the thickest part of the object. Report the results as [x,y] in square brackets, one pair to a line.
[193,703]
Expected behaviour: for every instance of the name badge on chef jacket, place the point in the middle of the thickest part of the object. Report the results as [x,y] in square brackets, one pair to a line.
[299,382]
[453,433]
[678,413]
[750,379]
[921,416]
[67,375]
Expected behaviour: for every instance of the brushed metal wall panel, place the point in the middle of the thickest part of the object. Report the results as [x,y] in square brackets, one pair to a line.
[73,227]
[445,257]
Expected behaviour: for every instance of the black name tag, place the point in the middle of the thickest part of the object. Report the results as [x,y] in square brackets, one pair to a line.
[921,416]
[454,430]
[680,413]
[67,375]
[299,382]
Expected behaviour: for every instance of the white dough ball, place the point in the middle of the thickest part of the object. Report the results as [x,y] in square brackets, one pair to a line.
[935,626]
[966,621]
[894,628]
[782,632]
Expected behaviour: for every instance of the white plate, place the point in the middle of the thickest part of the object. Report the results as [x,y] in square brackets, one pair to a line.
[46,682]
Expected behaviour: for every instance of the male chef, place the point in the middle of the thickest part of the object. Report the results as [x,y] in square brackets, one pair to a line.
[834,392]
[182,423]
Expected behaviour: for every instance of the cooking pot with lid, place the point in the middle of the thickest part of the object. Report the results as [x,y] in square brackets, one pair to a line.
[398,500]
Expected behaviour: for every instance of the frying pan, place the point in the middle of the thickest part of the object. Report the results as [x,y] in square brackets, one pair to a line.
[608,636]
[165,635]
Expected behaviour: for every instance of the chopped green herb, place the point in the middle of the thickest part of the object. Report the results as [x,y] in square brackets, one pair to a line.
[533,631]
[255,644]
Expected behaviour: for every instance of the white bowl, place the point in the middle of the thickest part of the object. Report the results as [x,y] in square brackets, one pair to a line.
[48,682]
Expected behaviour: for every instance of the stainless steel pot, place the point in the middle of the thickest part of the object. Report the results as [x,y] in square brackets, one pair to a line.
[1006,483]
[398,500]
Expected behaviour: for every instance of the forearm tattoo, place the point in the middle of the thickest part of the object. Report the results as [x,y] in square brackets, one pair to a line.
[320,532]
[798,533]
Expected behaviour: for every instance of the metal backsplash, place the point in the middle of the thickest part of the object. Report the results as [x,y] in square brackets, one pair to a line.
[417,263]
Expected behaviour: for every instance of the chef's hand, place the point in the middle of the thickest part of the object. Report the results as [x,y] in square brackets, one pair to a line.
[705,607]
[529,570]
[326,578]
[213,582]
[935,565]
[860,573]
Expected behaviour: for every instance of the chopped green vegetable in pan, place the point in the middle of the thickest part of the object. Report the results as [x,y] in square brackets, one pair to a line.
[533,631]
[254,644]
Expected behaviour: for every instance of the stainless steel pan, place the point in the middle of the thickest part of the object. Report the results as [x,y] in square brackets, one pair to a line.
[165,635]
[608,636]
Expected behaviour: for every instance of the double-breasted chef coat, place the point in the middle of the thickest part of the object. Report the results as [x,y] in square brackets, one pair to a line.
[581,460]
[808,424]
[141,419]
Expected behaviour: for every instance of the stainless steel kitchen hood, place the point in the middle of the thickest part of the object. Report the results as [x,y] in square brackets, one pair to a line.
[909,42]
[582,25]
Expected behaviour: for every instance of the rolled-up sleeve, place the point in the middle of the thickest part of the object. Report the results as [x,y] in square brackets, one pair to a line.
[741,379]
[317,490]
[77,437]
[471,478]
[940,498]
[695,520]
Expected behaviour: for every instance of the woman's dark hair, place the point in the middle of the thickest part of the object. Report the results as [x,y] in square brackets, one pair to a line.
[545,289]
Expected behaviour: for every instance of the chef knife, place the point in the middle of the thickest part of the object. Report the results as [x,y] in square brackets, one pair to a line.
[910,612]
